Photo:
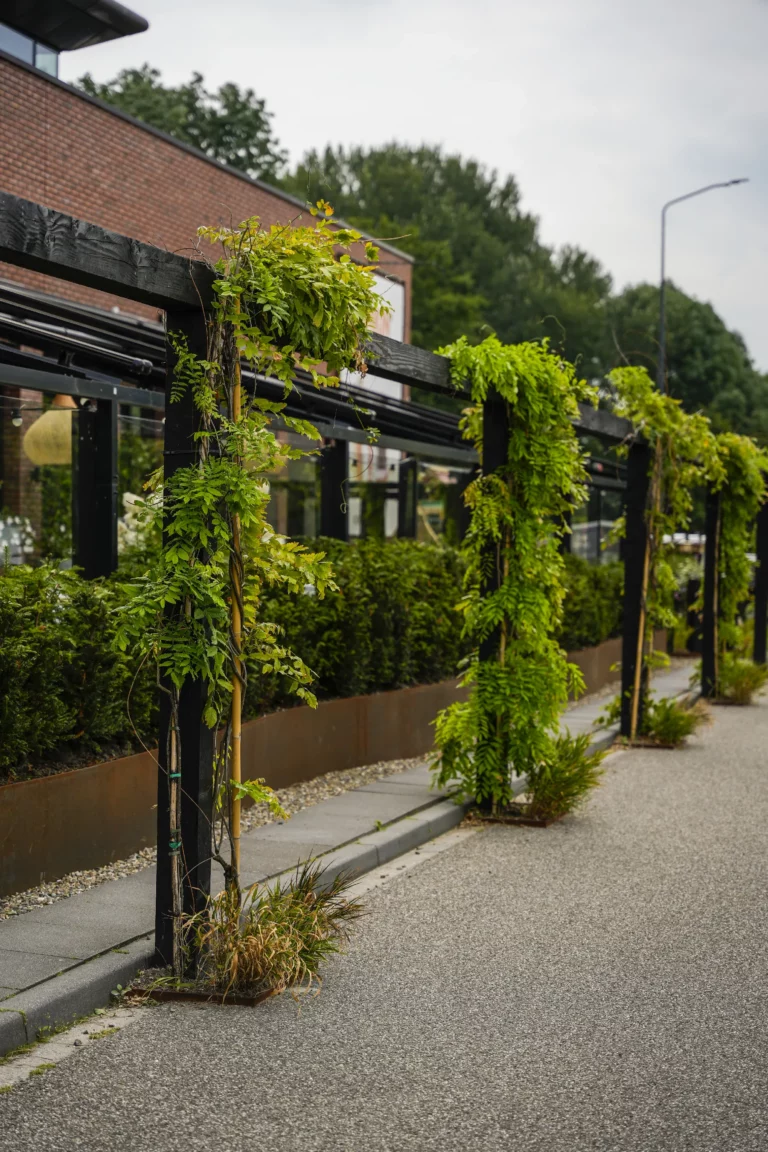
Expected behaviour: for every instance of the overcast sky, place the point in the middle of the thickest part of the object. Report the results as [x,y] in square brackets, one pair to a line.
[602,109]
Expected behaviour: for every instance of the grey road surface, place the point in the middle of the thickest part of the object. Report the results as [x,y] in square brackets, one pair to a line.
[597,985]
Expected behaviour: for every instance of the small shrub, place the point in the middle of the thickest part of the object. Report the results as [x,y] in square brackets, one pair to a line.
[738,680]
[277,938]
[565,781]
[669,723]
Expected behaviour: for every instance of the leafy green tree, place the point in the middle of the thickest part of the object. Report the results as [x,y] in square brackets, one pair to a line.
[231,125]
[708,366]
[479,262]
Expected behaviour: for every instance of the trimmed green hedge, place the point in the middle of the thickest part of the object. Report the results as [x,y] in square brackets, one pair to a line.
[63,687]
[594,605]
[61,682]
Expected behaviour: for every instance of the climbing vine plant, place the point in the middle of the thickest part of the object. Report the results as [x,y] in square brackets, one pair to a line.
[284,298]
[519,677]
[741,482]
[683,456]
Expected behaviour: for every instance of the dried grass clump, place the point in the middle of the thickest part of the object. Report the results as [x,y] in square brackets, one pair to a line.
[277,937]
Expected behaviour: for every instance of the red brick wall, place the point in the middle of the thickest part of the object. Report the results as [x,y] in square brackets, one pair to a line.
[70,153]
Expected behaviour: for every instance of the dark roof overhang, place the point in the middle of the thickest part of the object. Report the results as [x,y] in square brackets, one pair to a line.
[69,24]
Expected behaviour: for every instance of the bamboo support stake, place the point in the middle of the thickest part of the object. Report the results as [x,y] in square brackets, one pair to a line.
[236,573]
[175,846]
[655,504]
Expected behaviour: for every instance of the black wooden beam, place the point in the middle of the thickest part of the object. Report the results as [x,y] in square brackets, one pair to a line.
[86,387]
[421,369]
[635,540]
[710,615]
[761,587]
[44,240]
[94,490]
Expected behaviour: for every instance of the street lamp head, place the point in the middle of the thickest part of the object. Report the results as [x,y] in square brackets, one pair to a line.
[740,180]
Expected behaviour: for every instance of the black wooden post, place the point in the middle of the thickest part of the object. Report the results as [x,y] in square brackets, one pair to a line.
[196,739]
[495,451]
[761,586]
[407,497]
[94,489]
[334,473]
[635,540]
[709,621]
[693,616]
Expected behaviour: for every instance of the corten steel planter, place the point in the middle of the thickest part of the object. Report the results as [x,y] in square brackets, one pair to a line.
[90,816]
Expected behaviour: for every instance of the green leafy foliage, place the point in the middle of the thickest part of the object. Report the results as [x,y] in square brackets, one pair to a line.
[708,366]
[517,522]
[683,456]
[480,264]
[739,680]
[392,623]
[742,484]
[62,683]
[565,779]
[592,603]
[668,722]
[231,125]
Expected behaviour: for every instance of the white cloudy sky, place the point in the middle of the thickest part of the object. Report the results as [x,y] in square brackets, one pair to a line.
[602,109]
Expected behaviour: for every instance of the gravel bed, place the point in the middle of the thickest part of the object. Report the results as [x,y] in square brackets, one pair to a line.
[293,799]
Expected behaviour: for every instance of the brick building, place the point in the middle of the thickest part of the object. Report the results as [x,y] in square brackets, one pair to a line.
[64,149]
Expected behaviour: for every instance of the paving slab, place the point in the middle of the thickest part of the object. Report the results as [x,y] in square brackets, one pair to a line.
[19,969]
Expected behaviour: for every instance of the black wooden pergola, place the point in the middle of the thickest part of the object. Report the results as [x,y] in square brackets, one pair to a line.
[43,240]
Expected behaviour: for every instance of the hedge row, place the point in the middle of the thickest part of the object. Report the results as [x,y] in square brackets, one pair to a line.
[393,623]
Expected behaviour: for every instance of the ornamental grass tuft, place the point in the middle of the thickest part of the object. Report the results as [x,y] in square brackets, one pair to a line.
[275,937]
[565,781]
[668,723]
[739,680]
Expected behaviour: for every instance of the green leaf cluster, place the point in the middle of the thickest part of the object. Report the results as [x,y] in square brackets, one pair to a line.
[232,125]
[742,486]
[514,585]
[63,685]
[684,457]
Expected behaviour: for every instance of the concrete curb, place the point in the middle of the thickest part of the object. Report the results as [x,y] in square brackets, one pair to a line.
[76,992]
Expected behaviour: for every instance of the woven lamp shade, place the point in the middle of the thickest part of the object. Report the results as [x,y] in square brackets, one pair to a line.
[49,439]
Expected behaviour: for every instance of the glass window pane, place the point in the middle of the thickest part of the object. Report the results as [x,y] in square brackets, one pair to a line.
[47,59]
[17,44]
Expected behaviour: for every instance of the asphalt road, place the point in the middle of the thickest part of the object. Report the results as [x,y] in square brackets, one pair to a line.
[597,985]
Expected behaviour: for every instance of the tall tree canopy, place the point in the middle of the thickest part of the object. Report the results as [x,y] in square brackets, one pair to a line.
[479,262]
[708,366]
[231,125]
[480,265]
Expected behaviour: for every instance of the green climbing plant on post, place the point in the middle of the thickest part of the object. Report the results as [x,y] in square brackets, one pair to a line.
[518,513]
[683,456]
[741,484]
[285,298]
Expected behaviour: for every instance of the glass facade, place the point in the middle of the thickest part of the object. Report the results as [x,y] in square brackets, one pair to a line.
[29,50]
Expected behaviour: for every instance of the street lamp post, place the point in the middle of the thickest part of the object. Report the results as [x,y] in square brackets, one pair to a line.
[661,374]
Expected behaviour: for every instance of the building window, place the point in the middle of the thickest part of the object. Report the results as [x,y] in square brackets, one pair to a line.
[29,50]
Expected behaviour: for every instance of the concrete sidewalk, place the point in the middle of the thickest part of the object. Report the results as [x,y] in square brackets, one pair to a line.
[64,958]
